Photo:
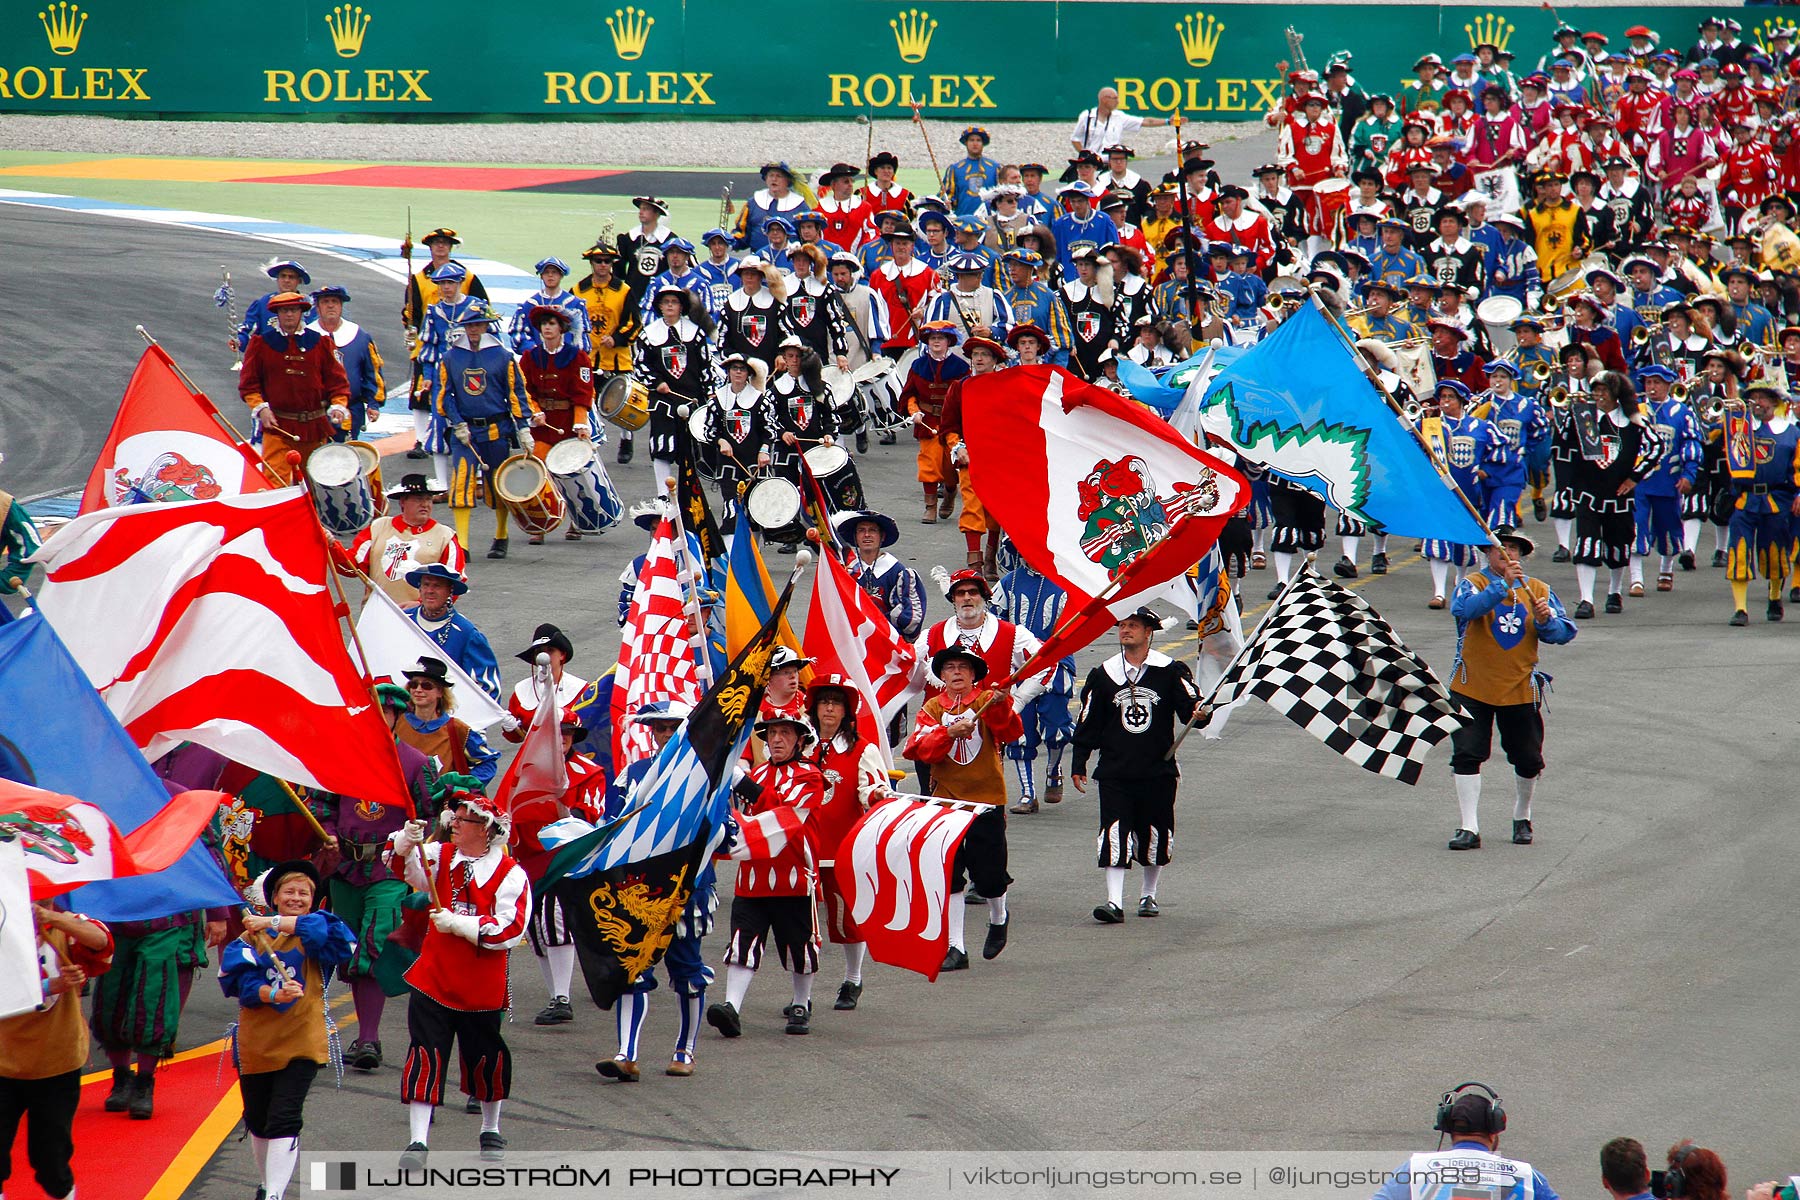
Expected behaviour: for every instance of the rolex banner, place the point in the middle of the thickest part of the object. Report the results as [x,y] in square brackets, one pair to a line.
[964,60]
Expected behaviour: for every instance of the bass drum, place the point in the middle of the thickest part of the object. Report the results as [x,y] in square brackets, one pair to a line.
[837,476]
[340,489]
[580,478]
[775,509]
[523,485]
[1497,314]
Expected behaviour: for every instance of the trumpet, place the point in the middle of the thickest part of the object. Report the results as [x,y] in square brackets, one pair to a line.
[1715,409]
[725,207]
[1414,411]
[1640,336]
[1551,304]
[1559,398]
[1679,392]
[1541,370]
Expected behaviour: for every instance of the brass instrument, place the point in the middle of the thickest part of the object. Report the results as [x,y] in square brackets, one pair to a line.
[1414,411]
[1679,392]
[229,303]
[1559,398]
[725,207]
[1541,370]
[1294,40]
[1715,409]
[1640,336]
[1551,304]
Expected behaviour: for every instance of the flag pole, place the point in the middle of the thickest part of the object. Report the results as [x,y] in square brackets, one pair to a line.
[212,410]
[1374,379]
[690,591]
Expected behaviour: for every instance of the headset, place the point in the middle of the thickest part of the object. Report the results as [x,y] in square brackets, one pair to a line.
[1496,1114]
[1674,1180]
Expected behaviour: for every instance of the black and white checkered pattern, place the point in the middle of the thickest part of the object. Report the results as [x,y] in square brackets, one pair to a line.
[1329,662]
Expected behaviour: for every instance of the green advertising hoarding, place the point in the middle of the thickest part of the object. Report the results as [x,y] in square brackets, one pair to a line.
[958,59]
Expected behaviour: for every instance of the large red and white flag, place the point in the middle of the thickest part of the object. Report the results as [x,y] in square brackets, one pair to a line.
[894,869]
[656,650]
[69,842]
[848,634]
[1098,495]
[211,622]
[539,774]
[169,443]
[765,834]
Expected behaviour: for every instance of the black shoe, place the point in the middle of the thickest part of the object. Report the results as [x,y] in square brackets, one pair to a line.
[799,1018]
[557,1012]
[1794,595]
[1615,603]
[119,1099]
[366,1056]
[1740,617]
[143,1098]
[787,548]
[887,437]
[415,452]
[1109,914]
[848,994]
[1560,555]
[862,443]
[725,1019]
[1344,568]
[1147,906]
[1193,624]
[1464,840]
[1686,559]
[471,1105]
[1584,610]
[413,1158]
[955,960]
[1275,590]
[1775,612]
[973,897]
[1378,564]
[996,940]
[493,1147]
[1718,558]
[498,549]
[1539,509]
[1521,833]
[624,451]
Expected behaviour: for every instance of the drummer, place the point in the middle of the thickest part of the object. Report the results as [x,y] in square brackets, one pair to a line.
[737,423]
[559,377]
[675,364]
[482,396]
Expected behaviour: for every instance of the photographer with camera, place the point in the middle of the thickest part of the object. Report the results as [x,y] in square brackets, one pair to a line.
[1695,1173]
[1473,1116]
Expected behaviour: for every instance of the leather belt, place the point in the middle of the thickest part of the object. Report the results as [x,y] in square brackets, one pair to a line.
[311,414]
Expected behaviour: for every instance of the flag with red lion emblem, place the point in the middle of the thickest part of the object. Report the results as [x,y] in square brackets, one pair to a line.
[1097,493]
[167,444]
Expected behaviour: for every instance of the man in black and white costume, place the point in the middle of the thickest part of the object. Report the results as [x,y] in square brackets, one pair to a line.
[1131,708]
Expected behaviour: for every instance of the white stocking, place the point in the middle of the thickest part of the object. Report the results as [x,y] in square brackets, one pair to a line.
[1468,801]
[1585,574]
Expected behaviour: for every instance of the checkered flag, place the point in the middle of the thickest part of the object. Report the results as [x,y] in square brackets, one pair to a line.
[1338,670]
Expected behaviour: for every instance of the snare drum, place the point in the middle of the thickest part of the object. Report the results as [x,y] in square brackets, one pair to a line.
[625,402]
[836,472]
[580,478]
[371,464]
[523,485]
[340,489]
[774,508]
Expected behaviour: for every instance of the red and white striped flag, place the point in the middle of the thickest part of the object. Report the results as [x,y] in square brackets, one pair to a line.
[69,842]
[894,869]
[656,650]
[847,633]
[538,774]
[211,622]
[167,444]
[766,834]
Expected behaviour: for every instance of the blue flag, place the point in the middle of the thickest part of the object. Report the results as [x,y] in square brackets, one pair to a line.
[57,734]
[1298,403]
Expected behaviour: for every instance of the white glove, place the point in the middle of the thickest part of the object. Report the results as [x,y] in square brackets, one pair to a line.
[408,838]
[959,455]
[468,928]
[461,430]
[339,414]
[1028,690]
[509,723]
[260,412]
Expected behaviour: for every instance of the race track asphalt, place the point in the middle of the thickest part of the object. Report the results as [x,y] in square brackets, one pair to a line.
[1323,967]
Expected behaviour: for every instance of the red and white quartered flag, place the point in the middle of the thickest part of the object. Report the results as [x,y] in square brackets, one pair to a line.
[211,622]
[894,870]
[656,650]
[1099,495]
[848,634]
[169,444]
[69,842]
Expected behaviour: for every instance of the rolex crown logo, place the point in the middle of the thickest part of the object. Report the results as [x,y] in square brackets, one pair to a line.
[630,29]
[63,23]
[1491,28]
[1200,33]
[347,28]
[912,34]
[1764,34]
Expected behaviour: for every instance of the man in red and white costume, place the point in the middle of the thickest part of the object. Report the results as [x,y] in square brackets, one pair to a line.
[1311,146]
[847,212]
[1747,171]
[854,775]
[459,993]
[393,545]
[775,895]
[1233,223]
[881,192]
[904,284]
[522,705]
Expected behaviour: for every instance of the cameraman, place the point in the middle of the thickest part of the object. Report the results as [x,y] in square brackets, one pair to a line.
[1695,1173]
[1474,1120]
[1625,1169]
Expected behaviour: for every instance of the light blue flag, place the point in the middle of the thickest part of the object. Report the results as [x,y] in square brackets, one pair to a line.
[1298,403]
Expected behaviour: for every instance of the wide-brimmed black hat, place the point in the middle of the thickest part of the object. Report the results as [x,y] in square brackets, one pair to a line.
[273,877]
[545,638]
[959,653]
[1144,613]
[434,669]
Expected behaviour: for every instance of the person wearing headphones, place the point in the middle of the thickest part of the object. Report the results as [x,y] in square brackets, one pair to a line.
[1473,1116]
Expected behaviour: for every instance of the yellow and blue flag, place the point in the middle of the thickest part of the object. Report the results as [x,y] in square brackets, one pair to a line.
[749,593]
